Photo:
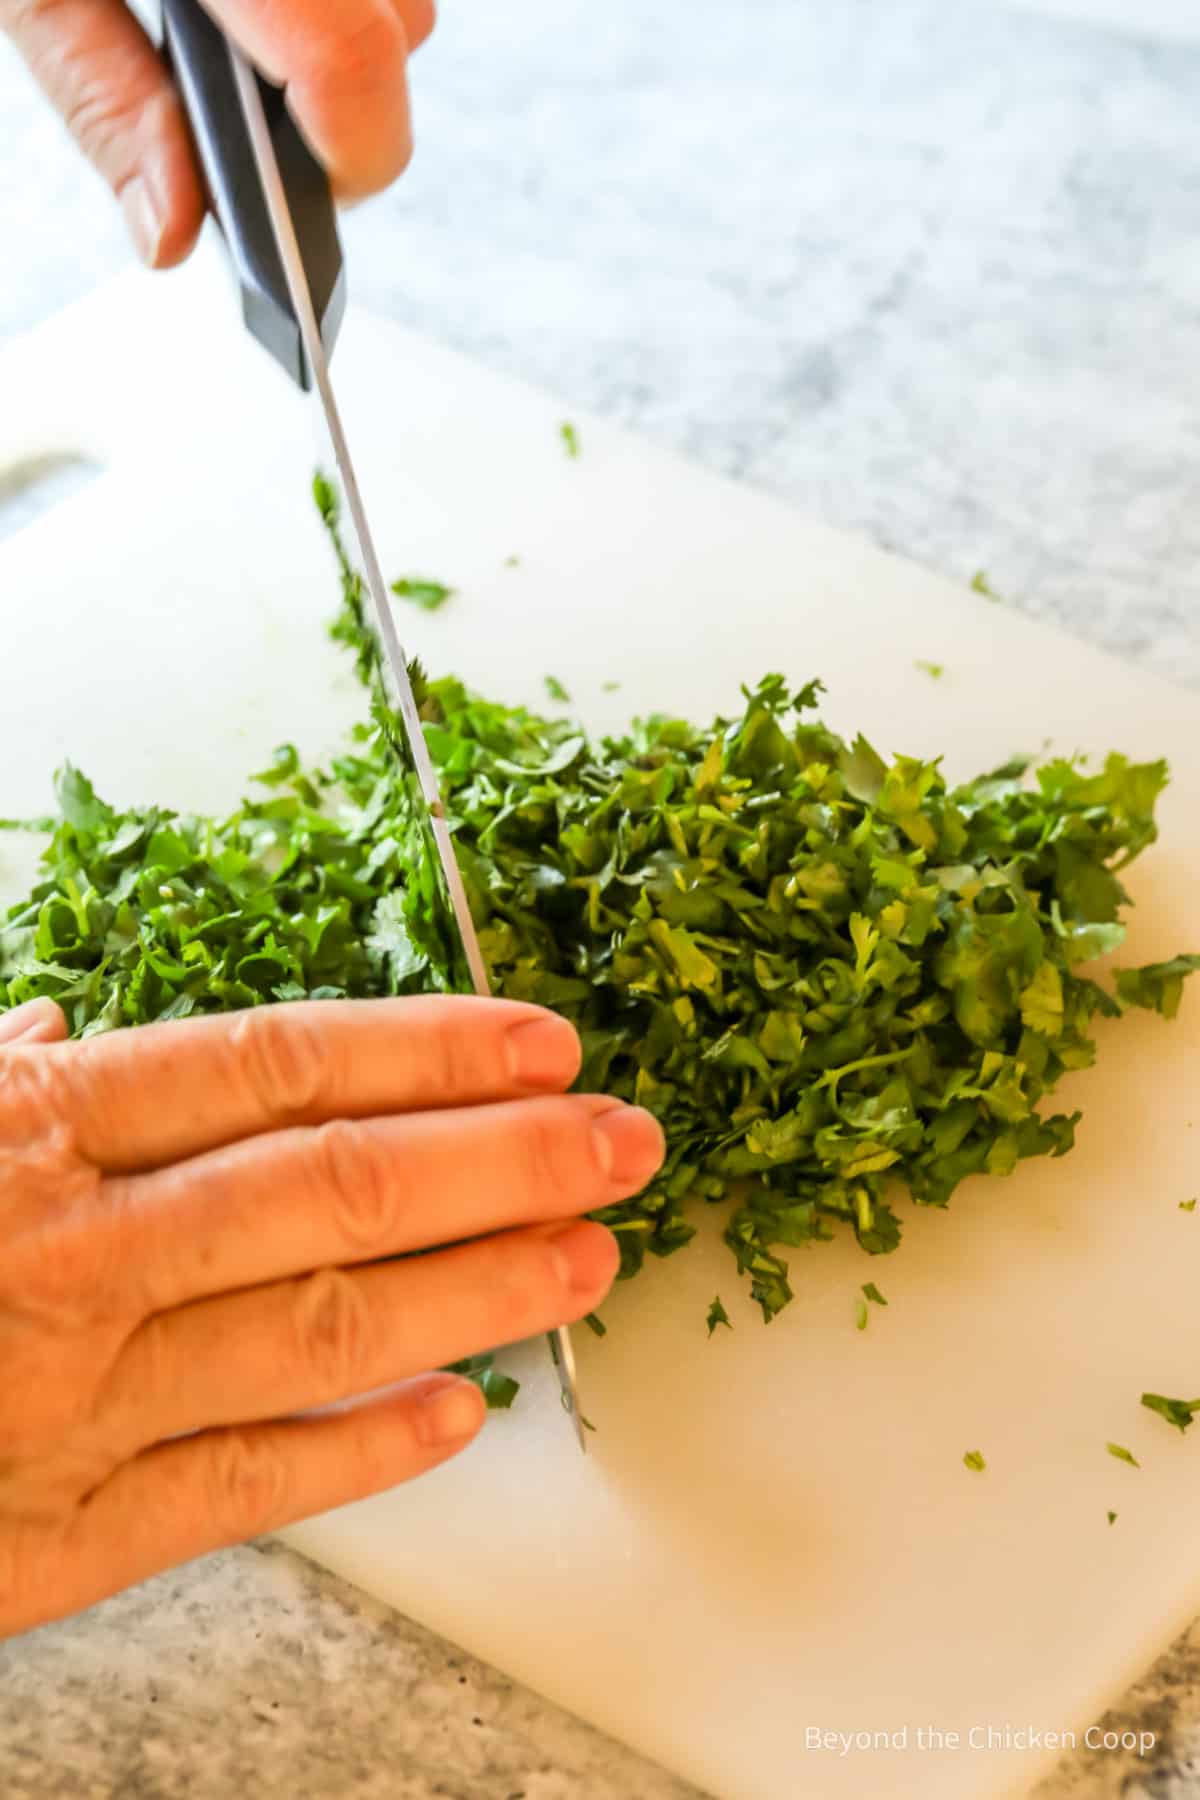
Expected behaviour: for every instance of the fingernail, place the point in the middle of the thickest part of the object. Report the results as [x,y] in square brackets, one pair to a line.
[586,1256]
[142,219]
[629,1144]
[449,1414]
[544,1053]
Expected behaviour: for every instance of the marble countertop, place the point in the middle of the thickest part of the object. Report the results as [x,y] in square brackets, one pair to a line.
[927,268]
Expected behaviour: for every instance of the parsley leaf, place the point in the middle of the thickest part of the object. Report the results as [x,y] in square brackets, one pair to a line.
[974,1460]
[557,691]
[1123,1455]
[430,596]
[570,438]
[1179,1413]
[718,1316]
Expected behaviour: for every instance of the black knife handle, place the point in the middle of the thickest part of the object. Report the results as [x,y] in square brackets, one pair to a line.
[201,61]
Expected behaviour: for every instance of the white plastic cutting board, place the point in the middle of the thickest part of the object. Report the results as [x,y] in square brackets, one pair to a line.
[774,1531]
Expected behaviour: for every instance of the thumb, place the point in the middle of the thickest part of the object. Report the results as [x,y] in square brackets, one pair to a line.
[101,71]
[37,1022]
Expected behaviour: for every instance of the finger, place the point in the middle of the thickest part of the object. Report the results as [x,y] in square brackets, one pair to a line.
[352,1192]
[141,1099]
[101,71]
[37,1022]
[344,70]
[419,17]
[268,1352]
[199,1494]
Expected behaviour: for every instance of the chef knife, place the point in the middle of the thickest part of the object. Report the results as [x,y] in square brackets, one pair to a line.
[275,208]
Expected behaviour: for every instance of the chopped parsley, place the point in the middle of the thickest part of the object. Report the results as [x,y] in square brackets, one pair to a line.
[1179,1413]
[430,596]
[718,1316]
[1123,1455]
[835,978]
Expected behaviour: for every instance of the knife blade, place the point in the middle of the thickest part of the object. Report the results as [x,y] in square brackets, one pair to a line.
[254,161]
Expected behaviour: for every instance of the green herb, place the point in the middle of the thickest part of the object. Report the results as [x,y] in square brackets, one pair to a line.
[862,1313]
[557,691]
[498,1389]
[981,585]
[430,596]
[1187,1206]
[832,977]
[974,1460]
[1179,1413]
[1112,1518]
[935,671]
[873,1294]
[1159,987]
[1123,1455]
[570,438]
[611,687]
[513,562]
[718,1316]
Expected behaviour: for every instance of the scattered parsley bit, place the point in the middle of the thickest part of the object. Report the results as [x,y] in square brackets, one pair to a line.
[1112,1518]
[430,596]
[1187,1206]
[974,1460]
[1179,1413]
[873,1294]
[512,562]
[862,1313]
[557,691]
[718,1316]
[612,687]
[935,671]
[570,438]
[980,584]
[1123,1455]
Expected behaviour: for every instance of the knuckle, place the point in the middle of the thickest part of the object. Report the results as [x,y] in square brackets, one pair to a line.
[555,1155]
[352,1176]
[249,1483]
[334,1334]
[65,1253]
[284,1058]
[34,1094]
[524,1289]
[448,1069]
[370,52]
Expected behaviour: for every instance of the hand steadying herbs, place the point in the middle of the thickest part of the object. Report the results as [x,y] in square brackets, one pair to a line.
[195,1217]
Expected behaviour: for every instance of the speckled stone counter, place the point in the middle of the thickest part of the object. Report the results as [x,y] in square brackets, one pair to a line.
[928,268]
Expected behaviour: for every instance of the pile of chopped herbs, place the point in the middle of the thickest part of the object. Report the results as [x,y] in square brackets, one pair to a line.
[830,976]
